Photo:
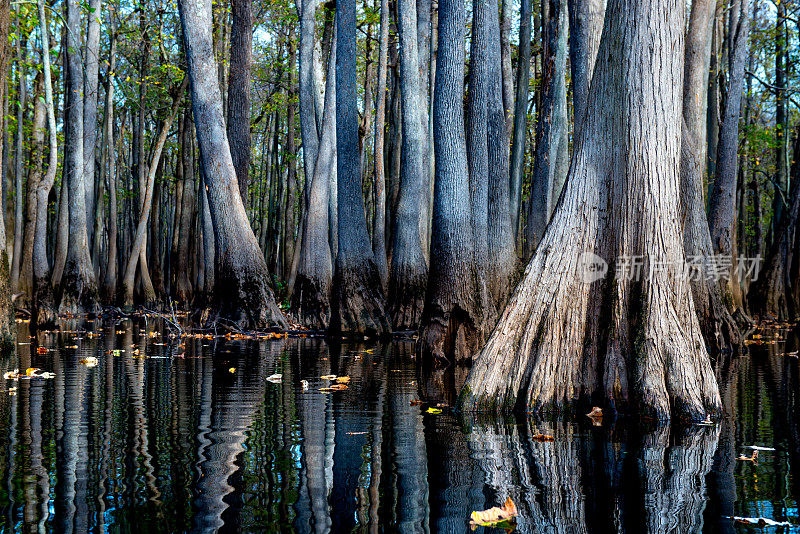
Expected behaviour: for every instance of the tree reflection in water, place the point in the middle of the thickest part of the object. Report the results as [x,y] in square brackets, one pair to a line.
[204,443]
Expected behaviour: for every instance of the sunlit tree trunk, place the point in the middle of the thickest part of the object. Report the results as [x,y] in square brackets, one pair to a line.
[716,322]
[241,289]
[629,341]
[43,300]
[311,294]
[78,286]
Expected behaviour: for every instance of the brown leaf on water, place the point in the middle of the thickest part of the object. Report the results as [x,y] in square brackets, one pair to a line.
[415,402]
[328,377]
[493,516]
[596,412]
[542,437]
[343,379]
[41,350]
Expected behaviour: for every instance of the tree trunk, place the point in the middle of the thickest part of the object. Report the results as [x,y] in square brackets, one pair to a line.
[717,325]
[409,271]
[571,335]
[501,272]
[781,117]
[241,277]
[43,300]
[585,26]
[78,285]
[452,320]
[22,103]
[551,161]
[722,204]
[478,149]
[379,222]
[311,294]
[507,102]
[358,306]
[519,133]
[290,163]
[147,203]
[309,86]
[7,331]
[31,202]
[183,282]
[90,96]
[239,86]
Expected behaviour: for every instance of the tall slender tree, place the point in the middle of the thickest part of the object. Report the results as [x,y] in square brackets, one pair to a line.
[239,87]
[241,278]
[409,271]
[358,306]
[452,321]
[78,286]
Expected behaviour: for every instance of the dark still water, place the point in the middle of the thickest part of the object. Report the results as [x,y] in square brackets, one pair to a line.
[172,435]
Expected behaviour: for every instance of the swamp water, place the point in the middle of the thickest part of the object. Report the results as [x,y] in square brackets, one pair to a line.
[170,434]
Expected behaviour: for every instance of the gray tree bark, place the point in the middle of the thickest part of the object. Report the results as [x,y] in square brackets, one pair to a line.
[239,86]
[241,289]
[25,283]
[717,325]
[19,156]
[452,320]
[43,313]
[501,273]
[90,97]
[78,286]
[569,334]
[722,202]
[358,306]
[551,159]
[312,289]
[520,129]
[379,223]
[585,26]
[409,270]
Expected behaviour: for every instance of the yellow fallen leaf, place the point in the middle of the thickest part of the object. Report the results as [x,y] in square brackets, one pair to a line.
[232,370]
[493,516]
[434,411]
[90,361]
[31,371]
[343,379]
[328,377]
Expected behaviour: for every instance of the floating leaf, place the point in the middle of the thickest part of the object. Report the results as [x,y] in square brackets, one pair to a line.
[277,378]
[232,370]
[41,350]
[90,361]
[434,410]
[343,379]
[328,377]
[493,516]
[11,375]
[304,384]
[542,437]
